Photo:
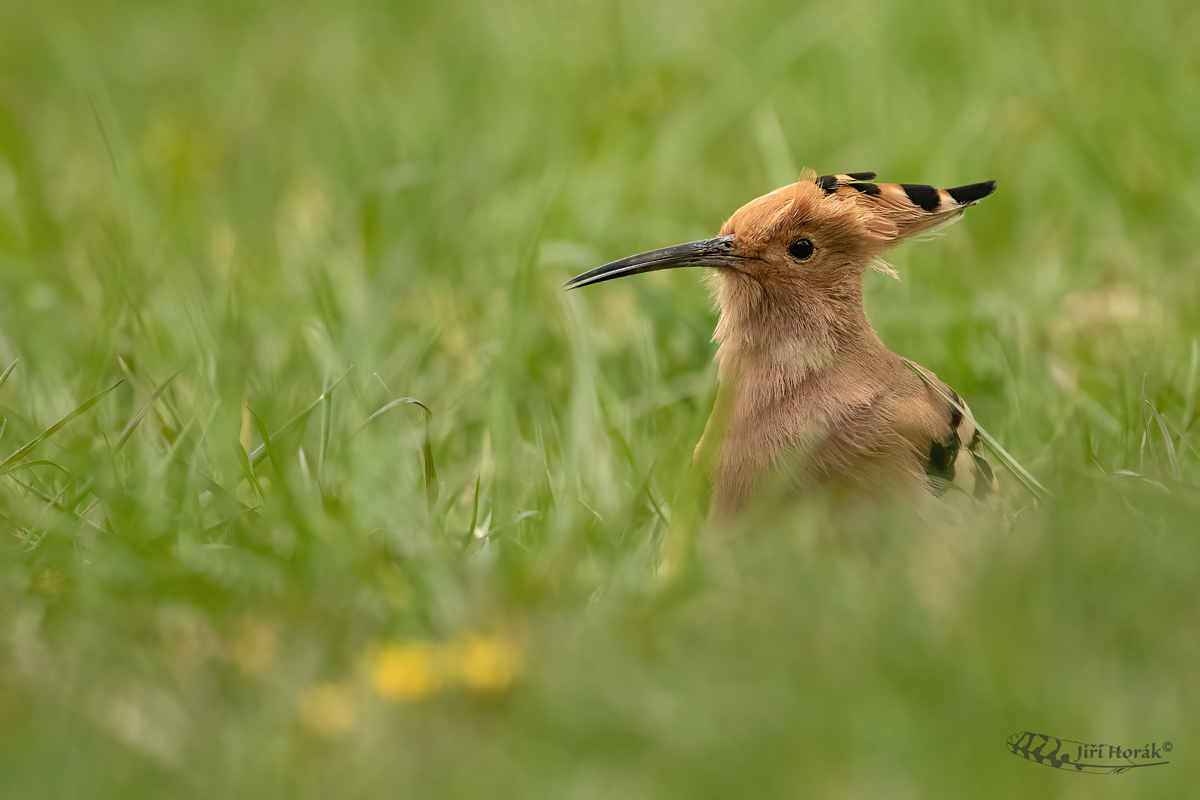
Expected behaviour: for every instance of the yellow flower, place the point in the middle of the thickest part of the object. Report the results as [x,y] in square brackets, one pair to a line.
[329,710]
[405,672]
[488,664]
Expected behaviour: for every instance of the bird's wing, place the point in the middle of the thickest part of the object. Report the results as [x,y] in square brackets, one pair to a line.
[956,458]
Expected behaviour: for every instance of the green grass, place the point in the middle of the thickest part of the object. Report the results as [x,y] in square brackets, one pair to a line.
[254,569]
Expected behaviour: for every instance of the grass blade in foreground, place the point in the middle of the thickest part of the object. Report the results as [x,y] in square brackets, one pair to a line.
[7,372]
[431,484]
[9,463]
[260,452]
[141,413]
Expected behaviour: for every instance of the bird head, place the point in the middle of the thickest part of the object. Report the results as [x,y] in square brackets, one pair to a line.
[816,233]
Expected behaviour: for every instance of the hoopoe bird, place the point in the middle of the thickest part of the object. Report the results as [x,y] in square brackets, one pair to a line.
[807,394]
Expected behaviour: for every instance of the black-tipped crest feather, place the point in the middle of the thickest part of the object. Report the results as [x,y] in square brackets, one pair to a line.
[921,195]
[971,192]
[828,183]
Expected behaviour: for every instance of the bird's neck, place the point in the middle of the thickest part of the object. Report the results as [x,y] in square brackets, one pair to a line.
[795,328]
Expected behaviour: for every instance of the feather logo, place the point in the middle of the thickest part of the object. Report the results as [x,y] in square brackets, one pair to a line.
[1097,759]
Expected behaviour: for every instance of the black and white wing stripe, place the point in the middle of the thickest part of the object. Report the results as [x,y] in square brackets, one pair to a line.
[953,463]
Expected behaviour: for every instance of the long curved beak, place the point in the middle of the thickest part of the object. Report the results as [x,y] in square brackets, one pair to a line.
[717,253]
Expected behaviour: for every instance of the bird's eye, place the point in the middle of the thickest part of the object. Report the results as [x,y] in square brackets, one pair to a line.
[801,249]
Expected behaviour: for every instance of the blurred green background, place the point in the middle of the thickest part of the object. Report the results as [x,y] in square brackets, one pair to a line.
[273,220]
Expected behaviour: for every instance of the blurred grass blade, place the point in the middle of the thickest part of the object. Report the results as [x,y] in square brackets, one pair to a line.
[431,483]
[648,488]
[431,479]
[7,372]
[474,515]
[1147,433]
[517,520]
[248,470]
[1125,473]
[403,401]
[53,501]
[266,438]
[260,452]
[326,429]
[1172,458]
[174,424]
[51,505]
[140,414]
[41,462]
[8,464]
[1022,475]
